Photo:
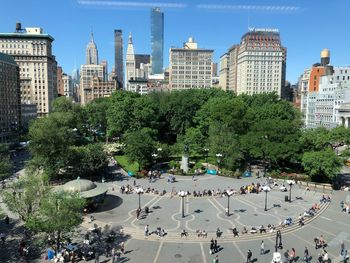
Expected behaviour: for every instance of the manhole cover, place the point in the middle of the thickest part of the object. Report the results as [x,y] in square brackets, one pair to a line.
[285,209]
[207,220]
[255,214]
[157,218]
[178,256]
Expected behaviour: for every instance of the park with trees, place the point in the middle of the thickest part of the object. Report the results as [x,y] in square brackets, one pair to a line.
[141,132]
[73,141]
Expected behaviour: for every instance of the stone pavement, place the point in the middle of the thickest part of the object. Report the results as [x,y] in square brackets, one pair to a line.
[208,213]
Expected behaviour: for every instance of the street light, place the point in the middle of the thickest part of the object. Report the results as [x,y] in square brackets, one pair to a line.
[139,191]
[229,193]
[278,244]
[266,189]
[290,182]
[183,194]
[206,150]
[277,258]
[219,155]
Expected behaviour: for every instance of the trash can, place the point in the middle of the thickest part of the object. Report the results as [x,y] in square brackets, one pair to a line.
[286,198]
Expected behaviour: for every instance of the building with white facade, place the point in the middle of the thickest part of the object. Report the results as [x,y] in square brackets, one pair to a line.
[323,105]
[139,86]
[138,69]
[190,67]
[68,86]
[130,62]
[257,65]
[303,88]
[32,50]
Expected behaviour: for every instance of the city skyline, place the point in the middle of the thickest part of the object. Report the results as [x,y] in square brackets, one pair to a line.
[305,28]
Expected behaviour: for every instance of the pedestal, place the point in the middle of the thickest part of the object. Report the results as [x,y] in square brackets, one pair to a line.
[184,163]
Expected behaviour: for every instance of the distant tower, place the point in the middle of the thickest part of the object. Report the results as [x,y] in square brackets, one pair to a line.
[130,61]
[157,40]
[118,56]
[91,52]
[325,57]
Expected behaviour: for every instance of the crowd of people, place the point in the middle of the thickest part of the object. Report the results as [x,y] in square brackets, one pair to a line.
[95,243]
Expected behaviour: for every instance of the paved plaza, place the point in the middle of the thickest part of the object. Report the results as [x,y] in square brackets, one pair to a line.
[208,213]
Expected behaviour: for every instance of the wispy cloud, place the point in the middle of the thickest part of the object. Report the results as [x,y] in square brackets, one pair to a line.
[129,4]
[253,8]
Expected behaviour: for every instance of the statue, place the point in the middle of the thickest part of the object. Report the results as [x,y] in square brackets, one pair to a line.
[186,149]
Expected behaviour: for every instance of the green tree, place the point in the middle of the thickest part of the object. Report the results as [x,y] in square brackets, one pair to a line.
[87,160]
[321,165]
[339,136]
[96,116]
[51,139]
[140,146]
[273,141]
[5,162]
[316,139]
[194,139]
[23,197]
[120,112]
[59,213]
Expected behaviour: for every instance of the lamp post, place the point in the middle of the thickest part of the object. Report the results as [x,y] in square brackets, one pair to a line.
[206,150]
[266,189]
[219,155]
[278,244]
[183,194]
[139,191]
[229,193]
[290,182]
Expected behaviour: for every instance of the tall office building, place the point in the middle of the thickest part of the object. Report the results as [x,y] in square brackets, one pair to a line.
[104,64]
[157,40]
[130,62]
[190,67]
[10,101]
[32,51]
[118,57]
[91,51]
[257,64]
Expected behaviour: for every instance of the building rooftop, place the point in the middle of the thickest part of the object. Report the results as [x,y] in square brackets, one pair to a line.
[26,35]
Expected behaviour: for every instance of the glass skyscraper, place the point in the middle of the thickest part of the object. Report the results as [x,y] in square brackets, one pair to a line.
[118,50]
[157,40]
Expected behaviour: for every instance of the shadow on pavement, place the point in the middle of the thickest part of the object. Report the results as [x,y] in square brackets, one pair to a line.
[111,202]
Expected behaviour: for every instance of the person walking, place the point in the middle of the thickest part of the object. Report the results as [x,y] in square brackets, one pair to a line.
[216,247]
[216,259]
[138,212]
[306,255]
[342,246]
[211,248]
[146,231]
[262,248]
[249,256]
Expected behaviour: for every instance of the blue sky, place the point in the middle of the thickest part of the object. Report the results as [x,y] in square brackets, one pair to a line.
[306,26]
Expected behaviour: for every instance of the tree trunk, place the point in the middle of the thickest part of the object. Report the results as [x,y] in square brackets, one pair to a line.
[58,241]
